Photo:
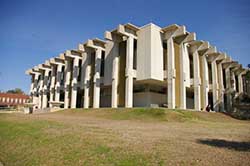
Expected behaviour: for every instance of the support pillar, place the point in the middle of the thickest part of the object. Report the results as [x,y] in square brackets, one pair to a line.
[197,81]
[171,73]
[45,89]
[115,82]
[215,85]
[240,83]
[52,84]
[228,89]
[183,53]
[32,85]
[96,95]
[67,83]
[85,76]
[86,86]
[221,87]
[205,80]
[40,93]
[35,89]
[129,73]
[58,82]
[74,82]
[234,81]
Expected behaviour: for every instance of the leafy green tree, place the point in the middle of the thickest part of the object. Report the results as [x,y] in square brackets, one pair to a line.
[248,73]
[248,76]
[16,91]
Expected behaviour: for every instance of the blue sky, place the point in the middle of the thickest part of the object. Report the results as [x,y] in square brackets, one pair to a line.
[32,31]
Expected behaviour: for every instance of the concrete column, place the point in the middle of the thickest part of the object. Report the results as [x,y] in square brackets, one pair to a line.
[40,99]
[86,68]
[86,86]
[83,68]
[58,82]
[234,81]
[240,83]
[171,73]
[183,53]
[74,82]
[228,88]
[85,78]
[32,85]
[36,76]
[205,80]
[35,89]
[197,81]
[52,84]
[215,85]
[96,95]
[129,73]
[67,83]
[221,86]
[40,93]
[45,89]
[115,82]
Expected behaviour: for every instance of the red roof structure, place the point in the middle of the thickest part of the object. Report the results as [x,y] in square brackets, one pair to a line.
[11,99]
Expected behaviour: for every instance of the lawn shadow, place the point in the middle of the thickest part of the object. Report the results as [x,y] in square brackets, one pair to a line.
[232,145]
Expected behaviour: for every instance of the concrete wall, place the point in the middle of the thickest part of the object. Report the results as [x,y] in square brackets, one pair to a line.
[112,50]
[105,98]
[121,74]
[190,103]
[177,78]
[145,99]
[149,53]
[186,64]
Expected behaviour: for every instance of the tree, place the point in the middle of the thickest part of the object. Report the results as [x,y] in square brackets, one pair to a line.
[16,91]
[248,73]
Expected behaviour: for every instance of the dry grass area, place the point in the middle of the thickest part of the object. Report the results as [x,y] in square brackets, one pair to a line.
[124,137]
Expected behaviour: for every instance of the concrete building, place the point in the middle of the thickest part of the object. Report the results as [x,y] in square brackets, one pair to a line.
[139,67]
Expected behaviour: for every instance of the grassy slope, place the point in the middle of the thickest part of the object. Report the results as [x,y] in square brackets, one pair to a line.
[32,140]
[152,114]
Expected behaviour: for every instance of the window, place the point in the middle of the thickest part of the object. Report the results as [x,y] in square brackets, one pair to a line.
[191,66]
[80,70]
[62,76]
[135,55]
[210,73]
[224,79]
[49,79]
[102,64]
[164,56]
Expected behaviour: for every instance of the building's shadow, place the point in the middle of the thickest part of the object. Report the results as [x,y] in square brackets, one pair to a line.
[233,145]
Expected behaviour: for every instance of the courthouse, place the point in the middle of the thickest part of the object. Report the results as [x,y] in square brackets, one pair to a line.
[146,66]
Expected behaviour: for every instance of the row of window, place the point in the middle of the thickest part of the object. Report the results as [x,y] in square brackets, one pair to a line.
[13,100]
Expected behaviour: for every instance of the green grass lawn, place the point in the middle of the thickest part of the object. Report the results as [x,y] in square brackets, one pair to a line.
[122,137]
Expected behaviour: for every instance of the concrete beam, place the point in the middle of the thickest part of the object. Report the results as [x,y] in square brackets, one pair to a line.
[229,64]
[173,31]
[56,61]
[127,30]
[96,44]
[240,71]
[73,54]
